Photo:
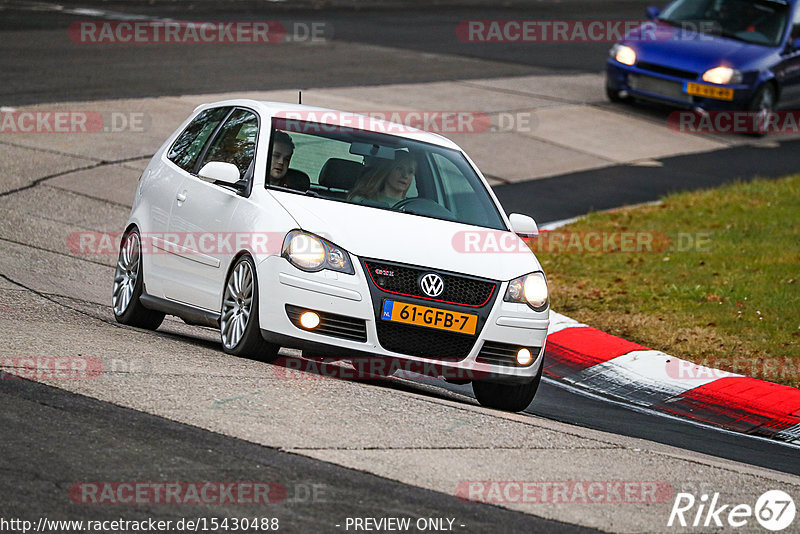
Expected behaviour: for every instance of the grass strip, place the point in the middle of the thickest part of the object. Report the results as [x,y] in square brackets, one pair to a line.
[709,276]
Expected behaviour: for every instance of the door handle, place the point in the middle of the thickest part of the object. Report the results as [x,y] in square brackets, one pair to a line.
[181,197]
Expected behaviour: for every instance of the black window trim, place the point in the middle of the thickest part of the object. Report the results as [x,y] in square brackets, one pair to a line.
[248,175]
[202,152]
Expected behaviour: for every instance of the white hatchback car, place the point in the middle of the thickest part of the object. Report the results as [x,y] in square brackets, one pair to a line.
[342,235]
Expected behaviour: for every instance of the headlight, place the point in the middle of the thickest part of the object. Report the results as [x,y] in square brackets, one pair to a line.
[530,289]
[722,75]
[624,54]
[312,253]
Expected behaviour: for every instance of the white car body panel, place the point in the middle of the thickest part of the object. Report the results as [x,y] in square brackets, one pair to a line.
[386,235]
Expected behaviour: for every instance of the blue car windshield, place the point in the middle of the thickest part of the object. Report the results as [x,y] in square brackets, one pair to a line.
[761,22]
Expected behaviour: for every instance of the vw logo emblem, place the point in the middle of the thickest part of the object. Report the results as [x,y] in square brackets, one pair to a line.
[431,284]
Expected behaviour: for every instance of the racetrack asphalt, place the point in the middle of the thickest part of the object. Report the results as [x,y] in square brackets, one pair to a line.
[108,443]
[64,439]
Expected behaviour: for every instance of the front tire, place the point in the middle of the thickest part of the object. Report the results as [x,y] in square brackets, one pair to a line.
[239,327]
[763,104]
[507,397]
[129,284]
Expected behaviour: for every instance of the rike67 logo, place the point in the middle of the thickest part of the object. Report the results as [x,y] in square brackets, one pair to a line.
[774,510]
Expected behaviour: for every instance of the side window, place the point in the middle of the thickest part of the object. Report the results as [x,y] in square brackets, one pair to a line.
[236,141]
[796,22]
[190,142]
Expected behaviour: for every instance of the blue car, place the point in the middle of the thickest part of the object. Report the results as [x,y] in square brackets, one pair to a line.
[709,55]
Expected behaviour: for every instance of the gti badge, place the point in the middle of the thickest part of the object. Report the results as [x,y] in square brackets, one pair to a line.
[431,284]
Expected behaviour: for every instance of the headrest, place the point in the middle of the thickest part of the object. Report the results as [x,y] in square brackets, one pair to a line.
[340,173]
[297,180]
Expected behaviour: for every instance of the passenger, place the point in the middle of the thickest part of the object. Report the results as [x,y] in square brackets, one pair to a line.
[279,173]
[385,182]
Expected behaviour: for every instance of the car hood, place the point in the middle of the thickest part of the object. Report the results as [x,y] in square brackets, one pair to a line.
[392,236]
[692,51]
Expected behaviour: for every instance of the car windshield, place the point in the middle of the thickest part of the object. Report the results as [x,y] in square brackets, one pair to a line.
[761,22]
[379,170]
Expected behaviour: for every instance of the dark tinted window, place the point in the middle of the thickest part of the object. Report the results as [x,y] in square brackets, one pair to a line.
[236,141]
[753,21]
[191,141]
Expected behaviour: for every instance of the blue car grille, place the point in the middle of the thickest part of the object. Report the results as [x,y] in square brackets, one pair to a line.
[669,71]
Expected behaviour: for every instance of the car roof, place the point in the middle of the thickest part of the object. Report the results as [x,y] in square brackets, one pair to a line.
[336,118]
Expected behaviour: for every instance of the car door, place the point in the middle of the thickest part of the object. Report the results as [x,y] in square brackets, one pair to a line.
[162,187]
[201,214]
[788,71]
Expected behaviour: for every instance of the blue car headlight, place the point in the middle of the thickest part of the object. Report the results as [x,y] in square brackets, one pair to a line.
[623,53]
[722,76]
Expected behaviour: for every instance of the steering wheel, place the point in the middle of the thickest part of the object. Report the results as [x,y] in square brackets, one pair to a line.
[423,206]
[401,204]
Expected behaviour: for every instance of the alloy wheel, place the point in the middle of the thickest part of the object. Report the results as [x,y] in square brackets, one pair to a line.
[236,304]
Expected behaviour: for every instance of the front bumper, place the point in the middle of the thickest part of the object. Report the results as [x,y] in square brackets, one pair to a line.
[282,286]
[668,89]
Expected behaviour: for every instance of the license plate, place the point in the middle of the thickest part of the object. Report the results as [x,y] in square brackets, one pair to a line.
[402,312]
[657,86]
[709,91]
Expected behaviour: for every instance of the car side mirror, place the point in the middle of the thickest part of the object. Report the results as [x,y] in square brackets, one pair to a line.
[796,43]
[218,171]
[652,12]
[523,225]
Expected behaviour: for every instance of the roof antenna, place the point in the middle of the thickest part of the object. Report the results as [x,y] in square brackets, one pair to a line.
[299,97]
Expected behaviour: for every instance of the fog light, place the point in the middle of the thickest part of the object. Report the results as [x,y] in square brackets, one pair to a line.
[310,320]
[524,357]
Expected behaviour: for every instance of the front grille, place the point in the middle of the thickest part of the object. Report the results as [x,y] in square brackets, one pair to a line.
[458,289]
[331,324]
[669,71]
[495,353]
[424,342]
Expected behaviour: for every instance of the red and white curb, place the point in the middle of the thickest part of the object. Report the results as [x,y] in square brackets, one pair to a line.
[593,360]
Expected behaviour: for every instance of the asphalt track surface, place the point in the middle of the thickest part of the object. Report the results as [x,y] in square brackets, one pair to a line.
[37,469]
[39,421]
[68,71]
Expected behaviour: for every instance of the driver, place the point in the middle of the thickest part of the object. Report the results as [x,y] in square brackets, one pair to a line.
[279,172]
[385,182]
